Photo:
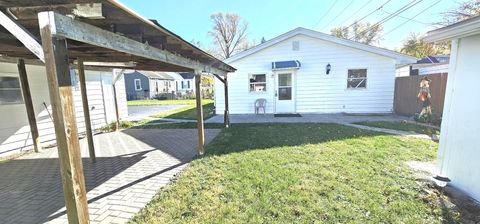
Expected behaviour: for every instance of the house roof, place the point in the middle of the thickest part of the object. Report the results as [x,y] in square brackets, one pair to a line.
[187,75]
[401,58]
[428,59]
[461,29]
[153,75]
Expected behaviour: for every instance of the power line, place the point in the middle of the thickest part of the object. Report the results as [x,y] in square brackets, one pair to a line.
[403,17]
[338,15]
[384,20]
[355,13]
[411,19]
[321,18]
[367,15]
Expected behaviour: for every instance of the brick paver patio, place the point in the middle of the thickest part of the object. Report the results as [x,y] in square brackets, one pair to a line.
[132,165]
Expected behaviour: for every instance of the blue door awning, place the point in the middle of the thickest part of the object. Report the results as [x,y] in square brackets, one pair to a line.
[285,64]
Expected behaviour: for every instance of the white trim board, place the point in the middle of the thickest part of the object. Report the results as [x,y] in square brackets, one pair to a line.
[399,57]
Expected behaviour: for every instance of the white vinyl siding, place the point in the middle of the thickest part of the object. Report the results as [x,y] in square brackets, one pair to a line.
[315,92]
[15,131]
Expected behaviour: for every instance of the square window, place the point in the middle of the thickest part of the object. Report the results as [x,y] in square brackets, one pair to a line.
[357,78]
[258,82]
[10,92]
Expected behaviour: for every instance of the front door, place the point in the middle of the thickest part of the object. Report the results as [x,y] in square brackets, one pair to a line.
[285,94]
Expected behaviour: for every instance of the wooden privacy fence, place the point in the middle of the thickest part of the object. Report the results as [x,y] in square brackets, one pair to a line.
[406,91]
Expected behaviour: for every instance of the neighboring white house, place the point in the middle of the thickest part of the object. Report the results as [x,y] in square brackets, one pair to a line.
[15,134]
[459,149]
[430,65]
[290,72]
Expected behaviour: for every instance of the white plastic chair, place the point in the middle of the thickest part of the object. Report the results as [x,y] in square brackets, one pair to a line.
[260,104]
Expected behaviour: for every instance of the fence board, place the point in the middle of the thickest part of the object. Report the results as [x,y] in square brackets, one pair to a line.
[406,91]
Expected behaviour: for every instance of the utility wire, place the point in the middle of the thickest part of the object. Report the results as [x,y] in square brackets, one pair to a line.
[366,15]
[384,20]
[338,15]
[411,19]
[321,18]
[355,13]
[403,17]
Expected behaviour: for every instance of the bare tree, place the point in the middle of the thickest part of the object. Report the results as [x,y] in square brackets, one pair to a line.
[361,32]
[229,32]
[463,11]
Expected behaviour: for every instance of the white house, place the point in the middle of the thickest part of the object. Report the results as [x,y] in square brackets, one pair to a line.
[15,134]
[459,149]
[437,64]
[290,72]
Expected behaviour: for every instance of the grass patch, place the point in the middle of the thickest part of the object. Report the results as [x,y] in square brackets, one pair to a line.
[182,125]
[402,126]
[189,112]
[299,173]
[160,102]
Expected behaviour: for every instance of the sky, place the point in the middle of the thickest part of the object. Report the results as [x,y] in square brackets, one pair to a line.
[269,18]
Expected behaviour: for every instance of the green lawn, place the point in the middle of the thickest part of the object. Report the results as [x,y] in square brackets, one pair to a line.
[300,173]
[159,102]
[183,125]
[402,126]
[189,111]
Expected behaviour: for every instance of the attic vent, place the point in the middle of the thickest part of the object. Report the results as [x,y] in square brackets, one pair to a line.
[295,45]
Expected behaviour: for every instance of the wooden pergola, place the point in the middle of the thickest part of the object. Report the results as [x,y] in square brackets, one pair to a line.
[64,33]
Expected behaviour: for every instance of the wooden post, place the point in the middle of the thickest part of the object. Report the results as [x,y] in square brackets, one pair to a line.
[117,122]
[61,98]
[226,115]
[86,110]
[200,127]
[27,98]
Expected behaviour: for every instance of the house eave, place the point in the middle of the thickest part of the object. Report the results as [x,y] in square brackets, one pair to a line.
[465,28]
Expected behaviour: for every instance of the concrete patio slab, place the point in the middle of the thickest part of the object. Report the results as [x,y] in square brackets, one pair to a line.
[307,118]
[132,165]
[136,113]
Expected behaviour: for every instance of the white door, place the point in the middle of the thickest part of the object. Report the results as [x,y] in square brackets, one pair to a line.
[284,92]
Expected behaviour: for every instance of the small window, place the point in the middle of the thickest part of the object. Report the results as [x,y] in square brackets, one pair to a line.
[258,83]
[188,84]
[138,84]
[10,92]
[357,78]
[295,45]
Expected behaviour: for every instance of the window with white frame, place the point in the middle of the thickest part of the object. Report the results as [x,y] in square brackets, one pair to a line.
[357,79]
[138,84]
[258,82]
[10,92]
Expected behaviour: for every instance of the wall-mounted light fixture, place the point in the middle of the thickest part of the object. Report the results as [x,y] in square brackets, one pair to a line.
[328,68]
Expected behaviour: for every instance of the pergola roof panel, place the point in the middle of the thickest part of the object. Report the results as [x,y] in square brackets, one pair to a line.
[108,15]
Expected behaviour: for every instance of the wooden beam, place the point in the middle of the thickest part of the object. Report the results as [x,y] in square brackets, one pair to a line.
[22,34]
[27,98]
[86,110]
[198,99]
[226,113]
[88,11]
[61,98]
[66,27]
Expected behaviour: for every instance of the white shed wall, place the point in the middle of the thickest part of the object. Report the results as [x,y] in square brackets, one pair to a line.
[14,130]
[316,92]
[459,151]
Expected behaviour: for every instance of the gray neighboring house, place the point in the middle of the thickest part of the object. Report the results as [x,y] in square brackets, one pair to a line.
[149,85]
